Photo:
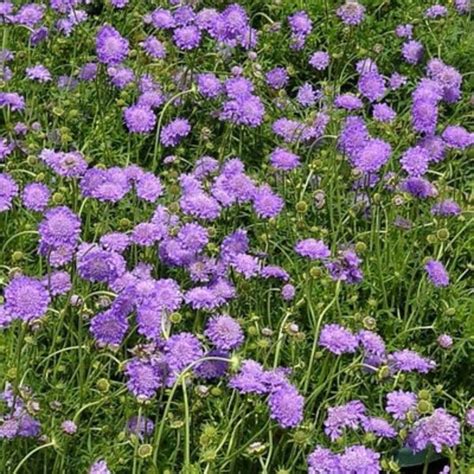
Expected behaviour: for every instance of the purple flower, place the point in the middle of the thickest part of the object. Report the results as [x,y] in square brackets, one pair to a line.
[250,379]
[400,403]
[446,208]
[99,467]
[277,78]
[307,96]
[209,85]
[458,137]
[97,265]
[348,101]
[8,190]
[470,417]
[59,226]
[266,203]
[410,361]
[109,328]
[187,37]
[372,85]
[312,249]
[139,119]
[140,426]
[145,377]
[162,19]
[120,76]
[437,273]
[415,161]
[26,298]
[447,77]
[337,339]
[378,426]
[435,11]
[354,136]
[396,81]
[372,343]
[412,51]
[238,87]
[300,25]
[35,196]
[148,187]
[212,368]
[288,292]
[349,415]
[29,14]
[373,156]
[462,6]
[439,430]
[404,31]
[435,146]
[109,185]
[247,111]
[358,459]
[346,267]
[273,271]
[319,60]
[13,100]
[323,461]
[282,159]
[418,187]
[224,332]
[38,73]
[383,113]
[286,406]
[70,165]
[175,131]
[445,341]
[351,12]
[111,47]
[154,47]
[69,427]
[57,283]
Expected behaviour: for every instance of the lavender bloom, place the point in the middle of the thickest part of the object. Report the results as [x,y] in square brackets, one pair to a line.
[412,52]
[212,368]
[383,113]
[447,77]
[29,15]
[351,12]
[349,415]
[35,196]
[282,159]
[372,343]
[97,265]
[323,461]
[437,273]
[354,136]
[277,78]
[312,249]
[373,156]
[435,146]
[162,19]
[38,73]
[26,298]
[70,165]
[446,208]
[8,190]
[6,148]
[250,379]
[139,119]
[111,47]
[337,339]
[415,161]
[120,76]
[224,332]
[462,6]
[458,137]
[110,184]
[439,430]
[273,271]
[286,406]
[400,403]
[175,131]
[470,417]
[358,459]
[319,60]
[246,265]
[99,467]
[109,328]
[410,361]
[372,85]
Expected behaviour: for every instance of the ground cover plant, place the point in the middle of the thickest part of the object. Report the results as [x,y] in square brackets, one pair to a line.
[235,237]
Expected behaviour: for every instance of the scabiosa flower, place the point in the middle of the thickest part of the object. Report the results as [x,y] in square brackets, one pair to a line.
[435,11]
[110,46]
[378,426]
[323,461]
[415,161]
[59,226]
[446,208]
[154,47]
[120,76]
[139,119]
[38,73]
[337,339]
[57,283]
[69,427]
[212,368]
[209,85]
[35,196]
[470,417]
[447,77]
[372,85]
[97,265]
[346,267]
[288,292]
[348,101]
[224,332]
[351,12]
[286,406]
[435,146]
[162,19]
[437,273]
[187,37]
[175,131]
[373,156]
[250,379]
[247,111]
[319,60]
[349,415]
[148,187]
[445,341]
[109,328]
[70,165]
[13,100]
[462,6]
[266,203]
[282,159]
[458,137]
[140,426]
[6,148]
[145,377]
[418,187]
[371,342]
[238,87]
[312,249]
[439,430]
[277,78]
[410,361]
[8,190]
[273,271]
[412,51]
[26,298]
[383,113]
[88,72]
[396,80]
[400,403]
[404,31]
[99,467]
[358,459]
[29,14]
[300,25]
[246,265]
[306,95]
[180,351]
[145,234]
